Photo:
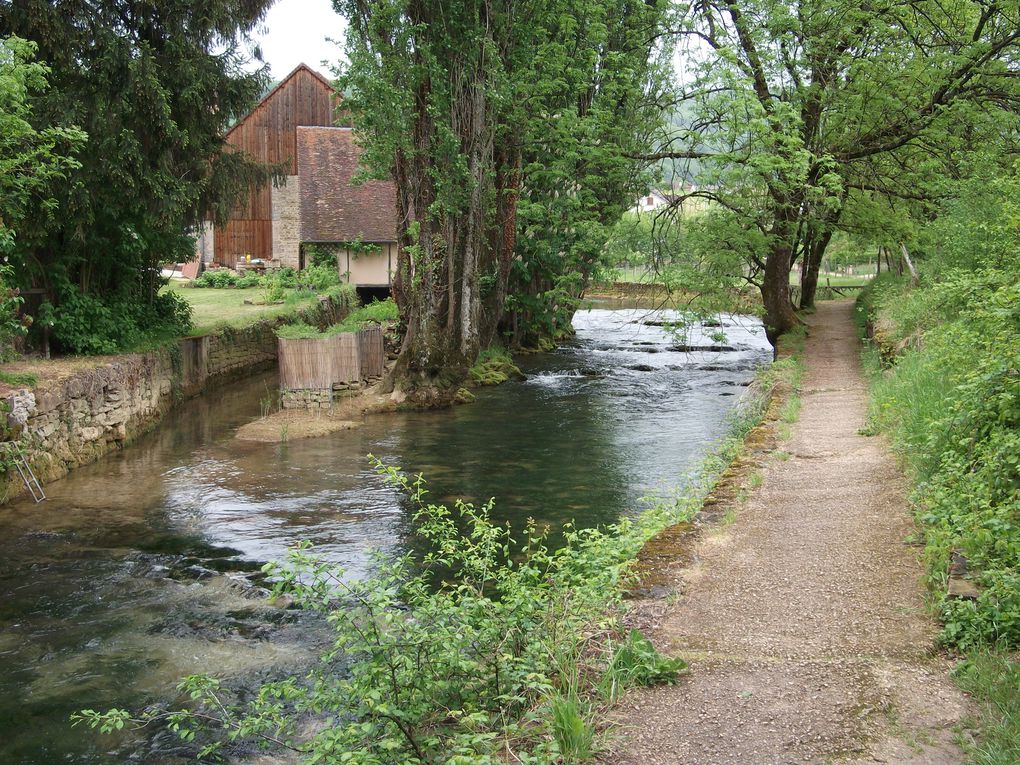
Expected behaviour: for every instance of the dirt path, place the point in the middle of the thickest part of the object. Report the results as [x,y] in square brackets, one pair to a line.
[803,620]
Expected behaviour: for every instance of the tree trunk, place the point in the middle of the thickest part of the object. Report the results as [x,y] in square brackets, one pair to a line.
[775,286]
[775,294]
[439,281]
[813,252]
[914,278]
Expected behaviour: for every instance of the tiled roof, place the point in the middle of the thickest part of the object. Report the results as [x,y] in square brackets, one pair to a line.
[332,210]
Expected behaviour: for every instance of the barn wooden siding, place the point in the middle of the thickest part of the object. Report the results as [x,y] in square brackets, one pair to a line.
[319,363]
[269,135]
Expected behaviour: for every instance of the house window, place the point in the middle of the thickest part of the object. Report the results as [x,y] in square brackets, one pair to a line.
[650,202]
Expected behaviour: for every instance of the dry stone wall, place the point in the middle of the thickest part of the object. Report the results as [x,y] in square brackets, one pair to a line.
[74,421]
[322,398]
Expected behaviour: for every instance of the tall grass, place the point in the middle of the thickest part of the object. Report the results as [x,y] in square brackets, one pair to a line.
[950,400]
[994,678]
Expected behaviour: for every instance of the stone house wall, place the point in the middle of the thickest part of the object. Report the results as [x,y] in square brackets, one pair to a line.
[286,212]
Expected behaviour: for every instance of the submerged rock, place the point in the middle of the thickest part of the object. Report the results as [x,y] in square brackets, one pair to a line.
[703,348]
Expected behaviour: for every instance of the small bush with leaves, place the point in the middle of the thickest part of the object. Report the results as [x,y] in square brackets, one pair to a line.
[91,325]
[472,649]
[13,324]
[952,405]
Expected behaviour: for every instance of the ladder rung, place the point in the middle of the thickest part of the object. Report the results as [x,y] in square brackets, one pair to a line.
[28,476]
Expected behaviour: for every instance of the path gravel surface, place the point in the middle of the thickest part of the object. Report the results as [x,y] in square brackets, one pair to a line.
[803,620]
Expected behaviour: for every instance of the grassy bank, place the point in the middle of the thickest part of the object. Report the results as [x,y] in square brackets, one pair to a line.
[945,365]
[214,308]
[478,648]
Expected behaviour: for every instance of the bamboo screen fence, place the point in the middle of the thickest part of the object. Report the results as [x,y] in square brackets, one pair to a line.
[318,363]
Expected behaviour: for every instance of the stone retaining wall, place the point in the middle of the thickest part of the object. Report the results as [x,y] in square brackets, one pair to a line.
[76,420]
[322,398]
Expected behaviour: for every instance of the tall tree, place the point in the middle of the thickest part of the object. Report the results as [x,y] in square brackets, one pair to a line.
[32,161]
[791,106]
[154,85]
[460,102]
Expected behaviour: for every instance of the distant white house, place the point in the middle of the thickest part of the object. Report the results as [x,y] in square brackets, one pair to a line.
[655,199]
[650,202]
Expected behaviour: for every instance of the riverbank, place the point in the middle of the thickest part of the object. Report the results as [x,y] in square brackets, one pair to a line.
[943,364]
[75,410]
[633,416]
[802,614]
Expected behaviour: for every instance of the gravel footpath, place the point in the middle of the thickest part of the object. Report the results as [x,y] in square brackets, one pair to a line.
[803,620]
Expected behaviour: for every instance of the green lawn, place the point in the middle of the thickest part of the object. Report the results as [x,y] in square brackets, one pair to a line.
[637,275]
[213,308]
[838,280]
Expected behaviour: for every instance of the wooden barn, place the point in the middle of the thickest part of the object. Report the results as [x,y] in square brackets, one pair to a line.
[275,220]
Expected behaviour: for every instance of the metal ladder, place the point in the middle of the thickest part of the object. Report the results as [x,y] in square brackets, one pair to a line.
[26,473]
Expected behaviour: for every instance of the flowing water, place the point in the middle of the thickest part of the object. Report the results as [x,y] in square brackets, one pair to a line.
[137,569]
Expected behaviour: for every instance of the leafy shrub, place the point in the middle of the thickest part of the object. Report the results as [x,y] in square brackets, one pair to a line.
[320,254]
[12,324]
[469,651]
[378,311]
[953,408]
[248,281]
[344,297]
[218,279]
[320,278]
[89,325]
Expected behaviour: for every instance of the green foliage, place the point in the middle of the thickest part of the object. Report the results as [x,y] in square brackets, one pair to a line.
[993,678]
[455,653]
[508,135]
[19,379]
[221,278]
[319,278]
[807,118]
[155,86]
[637,662]
[298,331]
[344,297]
[83,324]
[32,161]
[952,404]
[494,366]
[572,728]
[12,323]
[376,312]
[317,254]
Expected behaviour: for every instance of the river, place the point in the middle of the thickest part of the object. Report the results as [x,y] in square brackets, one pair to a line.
[132,573]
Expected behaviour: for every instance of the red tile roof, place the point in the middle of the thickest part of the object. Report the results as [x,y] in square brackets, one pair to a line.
[333,210]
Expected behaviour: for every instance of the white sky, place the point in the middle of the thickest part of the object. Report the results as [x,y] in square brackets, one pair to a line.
[295,32]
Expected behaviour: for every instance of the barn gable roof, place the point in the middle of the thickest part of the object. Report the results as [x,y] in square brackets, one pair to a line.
[333,210]
[277,88]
